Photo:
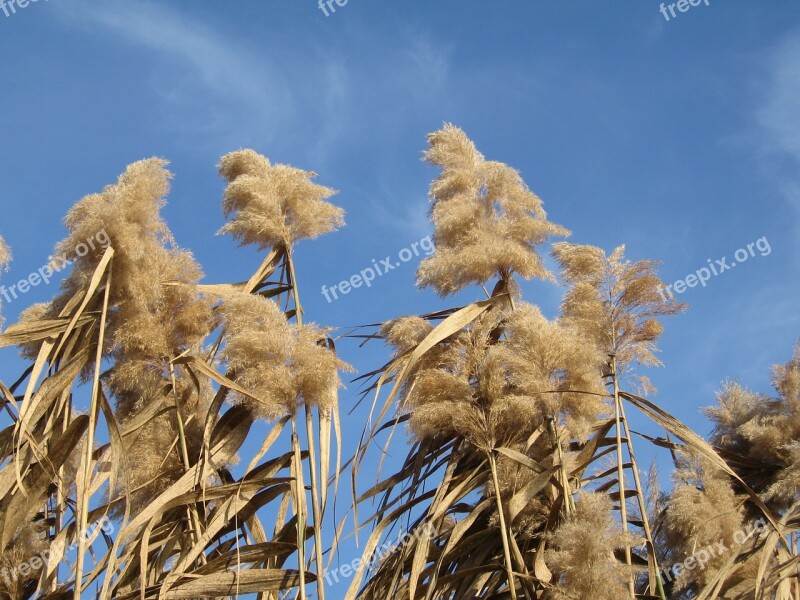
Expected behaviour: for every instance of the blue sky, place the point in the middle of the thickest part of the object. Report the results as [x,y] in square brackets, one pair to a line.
[679,138]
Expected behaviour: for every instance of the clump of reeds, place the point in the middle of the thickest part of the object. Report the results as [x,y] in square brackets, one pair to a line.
[765,429]
[284,366]
[155,313]
[133,320]
[510,414]
[617,305]
[498,382]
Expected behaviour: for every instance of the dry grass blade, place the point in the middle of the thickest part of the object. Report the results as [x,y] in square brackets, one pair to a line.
[238,582]
[18,508]
[699,445]
[25,333]
[85,480]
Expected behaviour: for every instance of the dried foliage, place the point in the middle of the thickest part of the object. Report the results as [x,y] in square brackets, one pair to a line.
[134,324]
[145,383]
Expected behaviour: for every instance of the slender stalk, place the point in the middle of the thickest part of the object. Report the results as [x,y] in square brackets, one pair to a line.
[299,505]
[315,504]
[298,308]
[651,548]
[86,488]
[192,510]
[569,501]
[503,531]
[312,452]
[623,510]
[60,506]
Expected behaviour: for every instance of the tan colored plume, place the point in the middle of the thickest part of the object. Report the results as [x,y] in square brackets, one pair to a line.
[273,206]
[487,222]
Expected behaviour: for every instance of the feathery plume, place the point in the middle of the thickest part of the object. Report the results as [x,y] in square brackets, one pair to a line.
[488,223]
[35,312]
[273,206]
[21,561]
[582,552]
[615,302]
[701,511]
[554,363]
[156,313]
[765,429]
[156,309]
[5,254]
[497,380]
[283,365]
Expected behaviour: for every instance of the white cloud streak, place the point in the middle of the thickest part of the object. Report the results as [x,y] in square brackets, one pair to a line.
[778,118]
[210,80]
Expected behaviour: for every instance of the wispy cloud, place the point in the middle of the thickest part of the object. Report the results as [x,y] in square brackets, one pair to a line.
[212,81]
[429,68]
[778,118]
[780,113]
[213,88]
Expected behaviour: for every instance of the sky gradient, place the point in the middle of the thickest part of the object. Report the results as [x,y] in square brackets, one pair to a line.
[679,138]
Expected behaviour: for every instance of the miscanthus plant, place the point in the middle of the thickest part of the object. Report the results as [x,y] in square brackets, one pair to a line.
[522,480]
[172,438]
[177,375]
[759,437]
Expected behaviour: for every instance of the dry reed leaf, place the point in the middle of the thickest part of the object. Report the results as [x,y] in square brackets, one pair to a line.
[697,444]
[22,504]
[236,583]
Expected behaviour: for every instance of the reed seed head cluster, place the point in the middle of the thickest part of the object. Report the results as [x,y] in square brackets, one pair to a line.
[274,206]
[487,222]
